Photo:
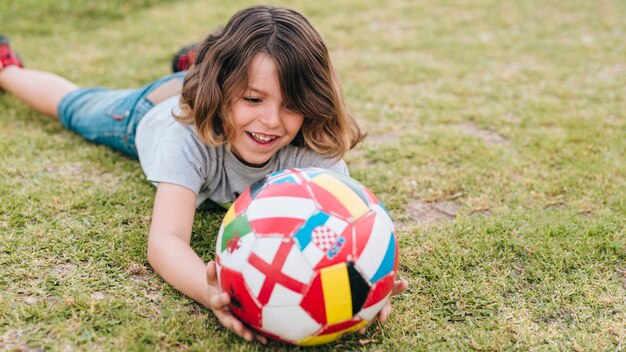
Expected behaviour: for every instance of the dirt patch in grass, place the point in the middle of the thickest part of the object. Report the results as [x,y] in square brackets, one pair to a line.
[489,137]
[64,170]
[611,73]
[511,117]
[381,138]
[78,172]
[63,271]
[146,289]
[614,120]
[98,296]
[621,272]
[29,299]
[424,213]
[382,132]
[12,341]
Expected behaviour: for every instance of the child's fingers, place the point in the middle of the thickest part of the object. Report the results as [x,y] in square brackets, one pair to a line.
[384,313]
[382,316]
[240,330]
[236,326]
[230,322]
[244,332]
[220,301]
[262,339]
[399,286]
[364,329]
[367,326]
[219,305]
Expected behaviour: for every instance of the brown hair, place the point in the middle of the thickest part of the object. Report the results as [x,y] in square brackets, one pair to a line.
[308,81]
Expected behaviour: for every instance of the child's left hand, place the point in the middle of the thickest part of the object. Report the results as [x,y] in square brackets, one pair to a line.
[398,287]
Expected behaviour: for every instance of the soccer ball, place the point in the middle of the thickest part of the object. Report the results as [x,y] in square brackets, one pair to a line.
[306,255]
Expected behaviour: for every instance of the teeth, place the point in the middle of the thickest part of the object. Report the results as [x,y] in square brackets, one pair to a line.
[262,137]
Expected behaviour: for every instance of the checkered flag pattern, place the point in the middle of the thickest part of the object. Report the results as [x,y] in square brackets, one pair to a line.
[324,237]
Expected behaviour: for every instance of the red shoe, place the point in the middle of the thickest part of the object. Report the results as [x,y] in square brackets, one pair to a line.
[7,56]
[184,58]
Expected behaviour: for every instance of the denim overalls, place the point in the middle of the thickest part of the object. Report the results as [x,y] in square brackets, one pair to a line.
[110,117]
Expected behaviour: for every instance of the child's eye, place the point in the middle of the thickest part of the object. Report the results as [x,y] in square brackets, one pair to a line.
[253,100]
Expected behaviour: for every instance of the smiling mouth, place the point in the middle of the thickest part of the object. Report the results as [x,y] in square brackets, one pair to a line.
[262,138]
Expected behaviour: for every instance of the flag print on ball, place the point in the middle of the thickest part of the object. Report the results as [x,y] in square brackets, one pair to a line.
[306,255]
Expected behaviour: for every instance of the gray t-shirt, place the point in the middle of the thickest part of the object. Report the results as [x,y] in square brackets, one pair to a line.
[170,151]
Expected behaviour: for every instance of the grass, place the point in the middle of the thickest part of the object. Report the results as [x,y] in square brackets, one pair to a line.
[513,111]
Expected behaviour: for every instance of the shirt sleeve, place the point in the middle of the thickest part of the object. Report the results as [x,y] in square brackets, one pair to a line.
[339,166]
[179,158]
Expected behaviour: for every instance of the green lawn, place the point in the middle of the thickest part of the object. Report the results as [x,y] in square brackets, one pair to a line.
[505,120]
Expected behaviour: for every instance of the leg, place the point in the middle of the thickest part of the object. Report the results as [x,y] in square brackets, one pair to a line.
[40,90]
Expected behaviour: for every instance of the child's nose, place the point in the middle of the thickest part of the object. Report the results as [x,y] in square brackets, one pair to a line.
[271,117]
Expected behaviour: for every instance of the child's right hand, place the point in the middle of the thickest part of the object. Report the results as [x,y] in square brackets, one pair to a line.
[219,305]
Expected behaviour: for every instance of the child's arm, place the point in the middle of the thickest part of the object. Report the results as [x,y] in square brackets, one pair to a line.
[171,256]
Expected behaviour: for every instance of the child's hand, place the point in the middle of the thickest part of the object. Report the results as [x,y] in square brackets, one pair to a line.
[219,305]
[398,287]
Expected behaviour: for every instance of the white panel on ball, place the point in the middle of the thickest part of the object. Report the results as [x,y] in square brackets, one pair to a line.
[253,278]
[336,224]
[376,247]
[266,248]
[382,213]
[282,296]
[280,207]
[291,323]
[312,254]
[296,266]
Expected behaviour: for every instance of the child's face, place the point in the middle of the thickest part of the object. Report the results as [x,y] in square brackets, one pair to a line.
[263,125]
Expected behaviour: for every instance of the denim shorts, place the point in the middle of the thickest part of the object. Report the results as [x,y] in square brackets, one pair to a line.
[108,116]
